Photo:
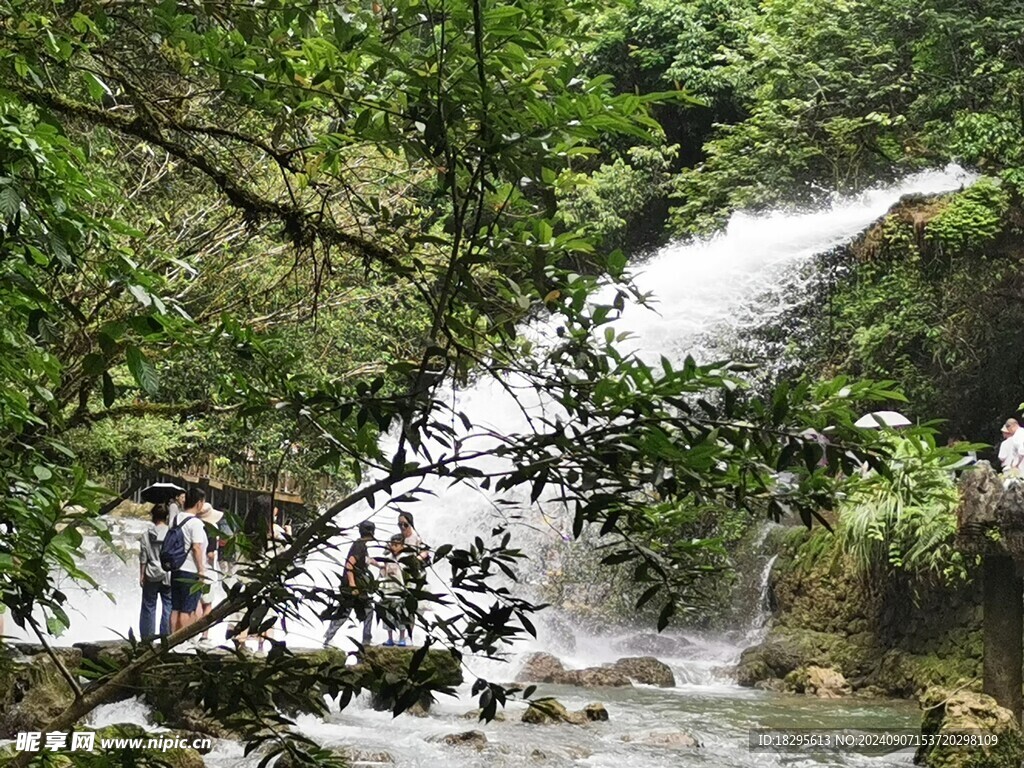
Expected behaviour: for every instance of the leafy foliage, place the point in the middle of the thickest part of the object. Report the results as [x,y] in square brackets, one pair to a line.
[972,219]
[906,520]
[839,95]
[406,159]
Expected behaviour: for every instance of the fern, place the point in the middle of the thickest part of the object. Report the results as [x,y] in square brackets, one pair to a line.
[905,520]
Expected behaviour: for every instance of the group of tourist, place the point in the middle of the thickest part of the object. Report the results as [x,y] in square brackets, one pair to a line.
[182,601]
[402,564]
[182,565]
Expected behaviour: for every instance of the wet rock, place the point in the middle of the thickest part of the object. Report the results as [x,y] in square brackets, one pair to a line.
[595,677]
[32,689]
[474,714]
[823,682]
[365,757]
[171,688]
[382,665]
[546,712]
[475,739]
[646,670]
[671,739]
[195,720]
[574,752]
[652,644]
[969,712]
[545,668]
[107,653]
[551,711]
[777,656]
[541,668]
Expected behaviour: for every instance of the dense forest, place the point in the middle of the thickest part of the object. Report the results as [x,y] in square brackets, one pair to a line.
[264,236]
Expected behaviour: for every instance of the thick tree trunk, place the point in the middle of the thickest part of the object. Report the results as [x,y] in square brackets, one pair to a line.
[1003,632]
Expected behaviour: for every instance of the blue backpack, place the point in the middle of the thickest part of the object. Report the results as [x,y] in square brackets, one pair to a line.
[172,551]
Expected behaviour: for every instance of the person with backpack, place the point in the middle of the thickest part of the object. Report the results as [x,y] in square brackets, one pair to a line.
[154,580]
[184,554]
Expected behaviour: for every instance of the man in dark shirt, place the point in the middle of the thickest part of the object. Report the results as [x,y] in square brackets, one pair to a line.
[354,595]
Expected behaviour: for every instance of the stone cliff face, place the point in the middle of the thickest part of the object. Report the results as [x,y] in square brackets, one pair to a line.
[931,296]
[886,635]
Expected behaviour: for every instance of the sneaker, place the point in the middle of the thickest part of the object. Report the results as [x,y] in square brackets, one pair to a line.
[388,643]
[401,643]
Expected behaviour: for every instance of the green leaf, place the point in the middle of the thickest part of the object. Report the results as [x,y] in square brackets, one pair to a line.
[97,88]
[109,390]
[10,203]
[143,371]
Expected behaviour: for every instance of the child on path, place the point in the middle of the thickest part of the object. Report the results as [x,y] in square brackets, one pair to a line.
[392,584]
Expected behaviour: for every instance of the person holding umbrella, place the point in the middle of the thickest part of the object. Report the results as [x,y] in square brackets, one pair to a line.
[165,493]
[154,580]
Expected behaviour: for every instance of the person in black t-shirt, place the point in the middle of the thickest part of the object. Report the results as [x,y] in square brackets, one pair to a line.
[354,595]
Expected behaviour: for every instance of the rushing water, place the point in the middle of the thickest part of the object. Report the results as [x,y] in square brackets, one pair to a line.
[707,291]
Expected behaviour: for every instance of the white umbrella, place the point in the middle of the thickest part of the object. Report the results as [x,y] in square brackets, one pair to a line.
[879,419]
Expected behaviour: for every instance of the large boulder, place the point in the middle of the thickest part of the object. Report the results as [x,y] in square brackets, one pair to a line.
[386,673]
[541,668]
[776,657]
[595,677]
[174,688]
[823,682]
[671,739]
[646,670]
[32,689]
[975,716]
[475,739]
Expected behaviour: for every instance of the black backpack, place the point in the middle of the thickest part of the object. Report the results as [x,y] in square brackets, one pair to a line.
[172,551]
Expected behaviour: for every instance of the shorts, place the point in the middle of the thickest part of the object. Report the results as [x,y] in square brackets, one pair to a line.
[183,599]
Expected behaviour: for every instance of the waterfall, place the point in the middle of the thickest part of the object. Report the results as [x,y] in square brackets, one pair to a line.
[709,294]
[706,292]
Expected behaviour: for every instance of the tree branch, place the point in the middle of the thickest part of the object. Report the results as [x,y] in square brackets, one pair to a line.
[68,677]
[298,223]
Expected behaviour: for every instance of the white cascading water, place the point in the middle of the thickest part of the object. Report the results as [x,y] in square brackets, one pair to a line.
[718,288]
